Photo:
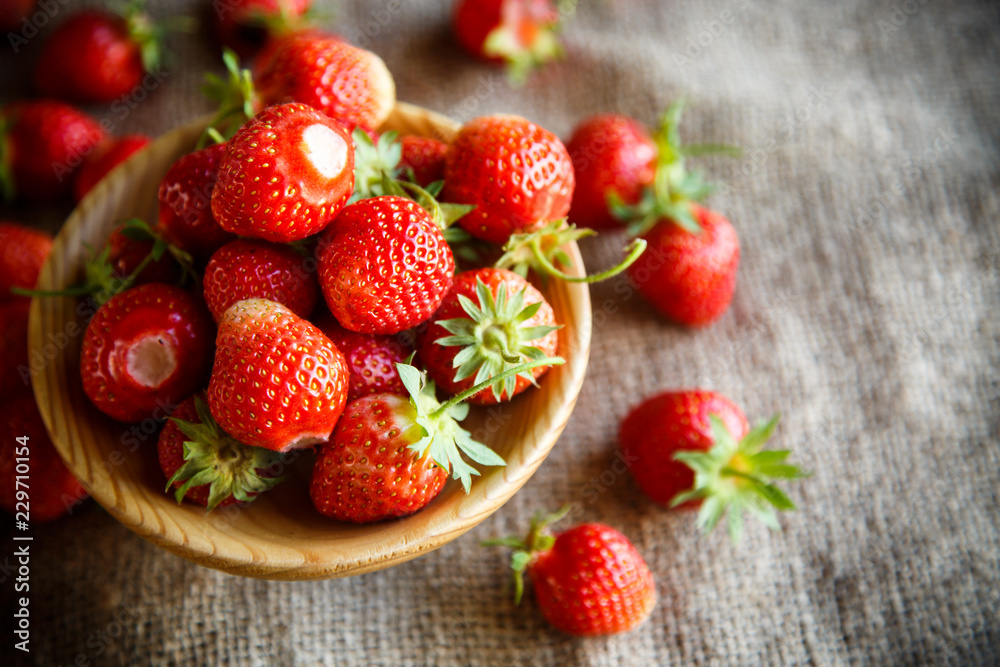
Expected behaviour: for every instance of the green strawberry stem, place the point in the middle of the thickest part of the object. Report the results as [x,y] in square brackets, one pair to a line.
[212,456]
[510,372]
[493,336]
[674,188]
[149,34]
[736,477]
[236,96]
[538,541]
[502,42]
[443,439]
[537,250]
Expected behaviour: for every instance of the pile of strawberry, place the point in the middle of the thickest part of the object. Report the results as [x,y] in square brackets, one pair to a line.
[313,284]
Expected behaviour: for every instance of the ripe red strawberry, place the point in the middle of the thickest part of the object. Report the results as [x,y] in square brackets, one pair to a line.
[45,144]
[491,320]
[13,13]
[32,475]
[277,382]
[251,269]
[588,580]
[689,277]
[206,465]
[343,81]
[370,359]
[520,33]
[611,153]
[14,348]
[390,456]
[106,157]
[145,351]
[695,448]
[23,251]
[97,56]
[425,157]
[185,199]
[517,174]
[285,175]
[245,26]
[128,252]
[384,265]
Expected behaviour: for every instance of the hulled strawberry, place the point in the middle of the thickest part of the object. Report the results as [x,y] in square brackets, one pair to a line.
[519,33]
[252,269]
[277,382]
[588,580]
[245,26]
[206,465]
[695,448]
[689,270]
[613,156]
[285,174]
[370,359]
[384,265]
[343,81]
[146,350]
[106,157]
[423,158]
[49,490]
[390,455]
[185,203]
[42,145]
[518,176]
[490,321]
[14,348]
[97,56]
[23,251]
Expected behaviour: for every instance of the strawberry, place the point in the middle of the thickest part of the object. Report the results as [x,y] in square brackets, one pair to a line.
[129,253]
[370,359]
[689,277]
[42,144]
[247,268]
[285,175]
[145,351]
[424,158]
[384,265]
[14,348]
[689,271]
[343,81]
[34,481]
[390,456]
[13,14]
[106,157]
[611,153]
[206,465]
[520,33]
[23,251]
[185,199]
[245,26]
[490,321]
[277,382]
[97,56]
[517,175]
[588,580]
[695,448]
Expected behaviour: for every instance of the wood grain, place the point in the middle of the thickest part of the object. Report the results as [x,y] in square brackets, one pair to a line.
[280,536]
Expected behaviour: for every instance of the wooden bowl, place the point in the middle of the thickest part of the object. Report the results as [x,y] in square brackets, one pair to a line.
[280,536]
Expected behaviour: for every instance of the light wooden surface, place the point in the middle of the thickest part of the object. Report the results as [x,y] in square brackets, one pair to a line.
[280,536]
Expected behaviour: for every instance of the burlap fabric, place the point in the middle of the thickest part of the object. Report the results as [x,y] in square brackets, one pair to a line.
[866,313]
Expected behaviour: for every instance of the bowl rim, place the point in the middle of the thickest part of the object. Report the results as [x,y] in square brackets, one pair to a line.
[489,491]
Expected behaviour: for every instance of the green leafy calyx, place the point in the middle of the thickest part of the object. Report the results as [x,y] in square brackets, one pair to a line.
[212,456]
[736,477]
[507,42]
[526,550]
[542,250]
[236,97]
[674,188]
[494,338]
